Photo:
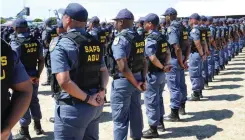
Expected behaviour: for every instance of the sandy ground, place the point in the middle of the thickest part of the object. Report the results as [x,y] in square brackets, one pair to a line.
[219,116]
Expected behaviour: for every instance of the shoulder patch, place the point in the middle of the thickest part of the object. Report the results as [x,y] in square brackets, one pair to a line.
[116,40]
[53,44]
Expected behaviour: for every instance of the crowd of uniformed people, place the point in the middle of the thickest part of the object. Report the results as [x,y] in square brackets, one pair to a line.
[141,58]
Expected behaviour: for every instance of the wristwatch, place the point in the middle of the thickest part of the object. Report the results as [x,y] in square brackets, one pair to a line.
[87,98]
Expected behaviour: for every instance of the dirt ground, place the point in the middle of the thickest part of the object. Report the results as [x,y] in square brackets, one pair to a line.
[219,116]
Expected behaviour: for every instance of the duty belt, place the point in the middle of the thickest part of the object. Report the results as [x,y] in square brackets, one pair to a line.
[69,101]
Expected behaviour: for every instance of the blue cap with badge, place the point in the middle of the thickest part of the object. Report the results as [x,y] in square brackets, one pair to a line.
[20,23]
[76,12]
[195,16]
[153,18]
[124,14]
[170,11]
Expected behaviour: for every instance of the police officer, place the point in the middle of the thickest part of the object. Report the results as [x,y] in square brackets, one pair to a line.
[218,44]
[30,52]
[60,31]
[196,57]
[242,34]
[96,31]
[222,43]
[127,85]
[164,26]
[175,82]
[231,38]
[14,76]
[79,68]
[212,47]
[140,28]
[158,55]
[226,40]
[47,35]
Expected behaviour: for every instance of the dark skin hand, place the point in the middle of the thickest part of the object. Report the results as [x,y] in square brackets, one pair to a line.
[199,48]
[20,102]
[123,68]
[158,64]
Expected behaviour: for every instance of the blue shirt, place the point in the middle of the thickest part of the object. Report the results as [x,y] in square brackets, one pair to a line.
[217,32]
[16,47]
[121,48]
[212,30]
[64,55]
[173,34]
[195,33]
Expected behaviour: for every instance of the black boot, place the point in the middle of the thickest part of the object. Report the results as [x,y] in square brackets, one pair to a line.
[195,96]
[200,94]
[38,128]
[206,83]
[173,116]
[51,119]
[23,134]
[216,71]
[46,83]
[182,109]
[161,126]
[151,132]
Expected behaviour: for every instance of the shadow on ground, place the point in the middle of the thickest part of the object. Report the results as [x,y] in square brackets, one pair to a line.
[105,117]
[201,132]
[228,79]
[232,72]
[241,64]
[227,97]
[236,68]
[216,115]
[224,87]
[46,136]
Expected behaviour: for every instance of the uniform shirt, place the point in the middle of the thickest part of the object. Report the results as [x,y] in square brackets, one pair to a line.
[212,31]
[17,48]
[64,56]
[121,48]
[222,32]
[230,30]
[94,32]
[173,34]
[195,33]
[218,33]
[151,49]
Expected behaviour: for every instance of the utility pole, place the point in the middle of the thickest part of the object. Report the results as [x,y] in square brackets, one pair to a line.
[49,12]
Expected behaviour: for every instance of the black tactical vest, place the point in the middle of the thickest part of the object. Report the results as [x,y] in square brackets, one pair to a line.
[51,34]
[226,33]
[184,42]
[161,52]
[7,68]
[87,73]
[208,34]
[203,33]
[29,52]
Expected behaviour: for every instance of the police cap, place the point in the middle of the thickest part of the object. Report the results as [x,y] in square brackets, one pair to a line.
[76,12]
[153,18]
[170,11]
[124,14]
[195,16]
[94,19]
[20,23]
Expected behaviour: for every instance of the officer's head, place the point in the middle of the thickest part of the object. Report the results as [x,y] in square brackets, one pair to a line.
[215,22]
[123,20]
[103,24]
[194,19]
[203,19]
[163,22]
[170,14]
[60,29]
[151,22]
[74,16]
[94,22]
[140,22]
[209,21]
[20,25]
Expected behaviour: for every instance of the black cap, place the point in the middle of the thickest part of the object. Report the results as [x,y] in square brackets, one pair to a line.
[20,23]
[124,14]
[76,12]
[153,18]
[195,16]
[170,11]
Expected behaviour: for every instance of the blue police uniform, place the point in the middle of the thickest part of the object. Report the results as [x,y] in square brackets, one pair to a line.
[241,39]
[34,106]
[125,98]
[19,75]
[216,52]
[210,58]
[221,52]
[230,43]
[79,120]
[153,98]
[195,62]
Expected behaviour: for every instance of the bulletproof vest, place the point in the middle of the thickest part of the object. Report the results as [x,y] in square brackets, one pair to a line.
[102,36]
[7,68]
[203,33]
[87,73]
[161,52]
[136,56]
[51,34]
[184,42]
[29,52]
